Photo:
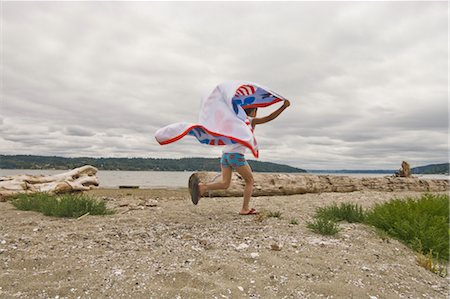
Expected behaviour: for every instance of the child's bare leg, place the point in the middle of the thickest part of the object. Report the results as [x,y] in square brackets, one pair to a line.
[224,183]
[246,173]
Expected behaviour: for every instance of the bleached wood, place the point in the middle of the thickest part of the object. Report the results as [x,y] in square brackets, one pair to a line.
[78,179]
[272,184]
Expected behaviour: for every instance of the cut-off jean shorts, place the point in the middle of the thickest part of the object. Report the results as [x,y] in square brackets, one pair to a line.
[233,160]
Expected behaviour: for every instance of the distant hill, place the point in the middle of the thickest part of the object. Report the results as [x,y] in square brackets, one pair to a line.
[431,169]
[184,164]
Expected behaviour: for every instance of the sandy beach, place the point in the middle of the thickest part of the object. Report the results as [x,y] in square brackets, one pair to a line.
[159,245]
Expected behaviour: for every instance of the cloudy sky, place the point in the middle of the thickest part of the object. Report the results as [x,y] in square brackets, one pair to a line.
[368,81]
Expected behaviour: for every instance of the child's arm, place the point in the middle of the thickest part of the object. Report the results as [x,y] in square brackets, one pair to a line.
[272,116]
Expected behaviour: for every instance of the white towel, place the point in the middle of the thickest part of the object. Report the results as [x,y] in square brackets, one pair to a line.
[222,117]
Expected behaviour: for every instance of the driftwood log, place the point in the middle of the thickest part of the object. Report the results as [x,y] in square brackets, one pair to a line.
[286,184]
[79,179]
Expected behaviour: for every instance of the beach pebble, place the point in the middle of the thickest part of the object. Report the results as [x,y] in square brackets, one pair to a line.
[106,198]
[276,247]
[254,255]
[242,246]
[151,203]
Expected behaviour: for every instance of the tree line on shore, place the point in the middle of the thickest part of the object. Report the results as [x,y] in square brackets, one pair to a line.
[184,164]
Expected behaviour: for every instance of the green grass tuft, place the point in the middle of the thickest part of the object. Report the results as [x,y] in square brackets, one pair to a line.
[276,214]
[67,205]
[293,222]
[324,226]
[422,223]
[345,211]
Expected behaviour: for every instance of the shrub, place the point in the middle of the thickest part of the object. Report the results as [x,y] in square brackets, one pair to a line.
[67,205]
[324,226]
[422,224]
[345,211]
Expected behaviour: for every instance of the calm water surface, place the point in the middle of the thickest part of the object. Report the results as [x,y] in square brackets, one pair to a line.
[113,179]
[156,179]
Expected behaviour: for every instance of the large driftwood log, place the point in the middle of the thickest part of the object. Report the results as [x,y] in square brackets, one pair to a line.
[287,184]
[78,179]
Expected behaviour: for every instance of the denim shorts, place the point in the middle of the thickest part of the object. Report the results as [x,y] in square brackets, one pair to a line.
[233,160]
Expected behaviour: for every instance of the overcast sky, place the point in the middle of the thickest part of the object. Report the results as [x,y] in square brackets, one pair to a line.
[368,81]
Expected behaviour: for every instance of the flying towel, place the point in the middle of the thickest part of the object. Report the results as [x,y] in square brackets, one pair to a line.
[222,117]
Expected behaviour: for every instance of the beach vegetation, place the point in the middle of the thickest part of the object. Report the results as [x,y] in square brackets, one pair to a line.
[293,222]
[429,262]
[274,214]
[65,205]
[324,226]
[344,212]
[261,216]
[420,223]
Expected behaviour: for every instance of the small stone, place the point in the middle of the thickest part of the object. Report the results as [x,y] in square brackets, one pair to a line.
[2,242]
[276,247]
[35,229]
[373,297]
[240,288]
[242,246]
[196,248]
[254,255]
[364,268]
[151,203]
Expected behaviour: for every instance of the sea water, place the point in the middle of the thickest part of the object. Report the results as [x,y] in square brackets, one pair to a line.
[164,179]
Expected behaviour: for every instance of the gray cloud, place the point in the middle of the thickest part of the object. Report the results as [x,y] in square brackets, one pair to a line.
[367,80]
[78,131]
